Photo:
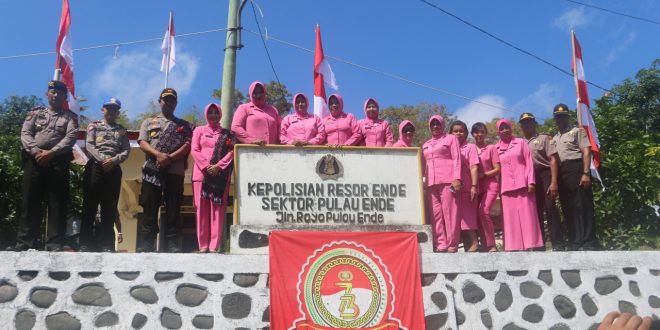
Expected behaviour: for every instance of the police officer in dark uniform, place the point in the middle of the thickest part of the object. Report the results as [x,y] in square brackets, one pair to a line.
[165,139]
[48,135]
[575,193]
[546,171]
[108,146]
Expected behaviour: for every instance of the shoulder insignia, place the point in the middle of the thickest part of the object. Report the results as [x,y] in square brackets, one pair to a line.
[91,127]
[30,115]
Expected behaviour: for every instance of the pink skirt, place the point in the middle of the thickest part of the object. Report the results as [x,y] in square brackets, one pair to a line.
[467,211]
[520,221]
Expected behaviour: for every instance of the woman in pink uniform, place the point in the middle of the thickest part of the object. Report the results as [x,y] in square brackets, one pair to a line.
[468,203]
[340,128]
[442,159]
[521,224]
[376,132]
[301,128]
[212,149]
[256,122]
[489,187]
[406,134]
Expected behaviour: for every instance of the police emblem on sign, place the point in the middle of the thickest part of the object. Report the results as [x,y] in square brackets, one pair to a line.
[345,285]
[329,167]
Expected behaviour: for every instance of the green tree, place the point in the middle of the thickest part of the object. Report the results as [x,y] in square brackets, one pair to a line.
[491,126]
[195,116]
[13,111]
[419,115]
[239,97]
[628,124]
[11,174]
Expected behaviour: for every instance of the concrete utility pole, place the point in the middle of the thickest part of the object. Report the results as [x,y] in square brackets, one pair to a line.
[233,43]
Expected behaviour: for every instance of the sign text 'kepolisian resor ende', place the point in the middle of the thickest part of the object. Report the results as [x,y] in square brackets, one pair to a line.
[285,185]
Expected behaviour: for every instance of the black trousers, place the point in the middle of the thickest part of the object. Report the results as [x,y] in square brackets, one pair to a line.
[41,183]
[151,197]
[545,205]
[577,204]
[99,188]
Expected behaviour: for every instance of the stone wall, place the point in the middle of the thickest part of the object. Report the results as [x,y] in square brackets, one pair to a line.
[575,290]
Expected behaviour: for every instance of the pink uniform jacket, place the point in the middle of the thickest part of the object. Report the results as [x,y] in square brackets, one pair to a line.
[401,143]
[468,158]
[201,149]
[302,126]
[256,121]
[516,162]
[341,129]
[442,157]
[488,157]
[375,133]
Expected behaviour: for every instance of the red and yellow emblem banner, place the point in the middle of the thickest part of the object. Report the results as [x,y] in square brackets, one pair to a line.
[345,280]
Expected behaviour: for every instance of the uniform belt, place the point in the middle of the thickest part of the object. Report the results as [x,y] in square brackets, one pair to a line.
[570,161]
[541,168]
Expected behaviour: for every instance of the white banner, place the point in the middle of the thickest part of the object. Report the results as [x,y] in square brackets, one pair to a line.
[326,186]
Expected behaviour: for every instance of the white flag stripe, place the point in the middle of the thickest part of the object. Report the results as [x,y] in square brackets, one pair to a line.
[328,75]
[168,49]
[67,50]
[579,69]
[320,107]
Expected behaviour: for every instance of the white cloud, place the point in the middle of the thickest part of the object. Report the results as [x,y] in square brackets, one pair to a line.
[540,102]
[572,19]
[135,78]
[476,112]
[620,48]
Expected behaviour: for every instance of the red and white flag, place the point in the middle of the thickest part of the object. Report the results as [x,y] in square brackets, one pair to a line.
[323,75]
[64,61]
[168,49]
[583,108]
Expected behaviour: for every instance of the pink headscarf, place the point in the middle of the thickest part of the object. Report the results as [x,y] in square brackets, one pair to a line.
[502,143]
[365,109]
[403,124]
[442,126]
[341,104]
[259,104]
[206,115]
[304,112]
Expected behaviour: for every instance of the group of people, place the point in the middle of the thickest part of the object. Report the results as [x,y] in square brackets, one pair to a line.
[462,180]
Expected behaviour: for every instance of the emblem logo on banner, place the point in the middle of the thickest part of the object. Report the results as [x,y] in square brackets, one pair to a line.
[343,284]
[329,167]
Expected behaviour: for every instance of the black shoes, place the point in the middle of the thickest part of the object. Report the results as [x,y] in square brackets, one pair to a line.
[107,249]
[18,247]
[54,248]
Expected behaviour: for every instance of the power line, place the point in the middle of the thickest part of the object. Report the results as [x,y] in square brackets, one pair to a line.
[114,45]
[615,12]
[270,60]
[387,74]
[528,53]
[338,59]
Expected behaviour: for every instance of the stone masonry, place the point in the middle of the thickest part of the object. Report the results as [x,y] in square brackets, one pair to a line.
[536,290]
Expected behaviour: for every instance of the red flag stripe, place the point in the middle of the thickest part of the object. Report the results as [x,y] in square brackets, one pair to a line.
[583,103]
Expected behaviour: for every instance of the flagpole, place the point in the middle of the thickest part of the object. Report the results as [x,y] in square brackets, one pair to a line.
[169,50]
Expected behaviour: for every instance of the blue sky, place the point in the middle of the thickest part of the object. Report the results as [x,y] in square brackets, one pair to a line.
[406,38]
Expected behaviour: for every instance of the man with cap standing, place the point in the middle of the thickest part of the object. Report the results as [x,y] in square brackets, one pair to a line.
[575,194]
[108,146]
[48,135]
[165,139]
[546,171]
